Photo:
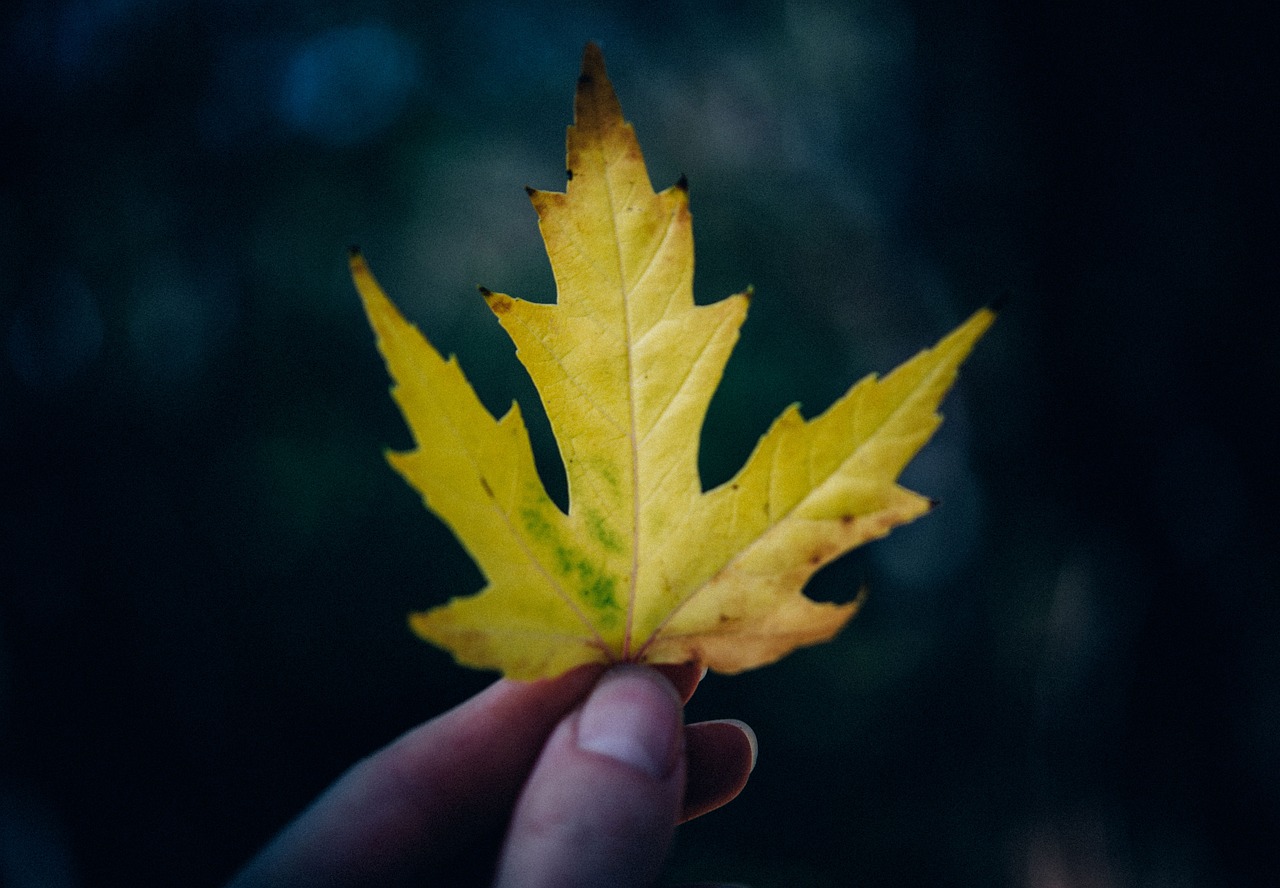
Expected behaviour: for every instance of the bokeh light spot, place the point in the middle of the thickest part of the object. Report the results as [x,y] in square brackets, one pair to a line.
[347,84]
[178,317]
[56,334]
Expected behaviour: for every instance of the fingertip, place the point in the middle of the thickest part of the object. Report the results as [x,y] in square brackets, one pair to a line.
[632,717]
[721,756]
[601,804]
[684,677]
[747,733]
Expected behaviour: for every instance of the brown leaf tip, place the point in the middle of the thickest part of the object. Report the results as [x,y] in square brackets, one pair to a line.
[682,184]
[592,64]
[499,303]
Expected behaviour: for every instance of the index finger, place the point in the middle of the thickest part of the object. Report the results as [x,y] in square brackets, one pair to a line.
[684,677]
[428,795]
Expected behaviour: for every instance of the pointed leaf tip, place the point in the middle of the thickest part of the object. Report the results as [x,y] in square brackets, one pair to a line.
[358,267]
[592,61]
[499,303]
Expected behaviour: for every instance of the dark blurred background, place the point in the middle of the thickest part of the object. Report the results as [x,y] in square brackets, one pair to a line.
[1066,676]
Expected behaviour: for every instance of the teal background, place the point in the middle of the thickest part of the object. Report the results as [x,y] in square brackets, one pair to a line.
[1067,675]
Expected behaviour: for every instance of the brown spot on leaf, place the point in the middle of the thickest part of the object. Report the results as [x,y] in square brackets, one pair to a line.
[499,304]
[846,519]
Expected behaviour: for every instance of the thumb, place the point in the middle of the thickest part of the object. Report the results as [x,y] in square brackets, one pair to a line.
[601,804]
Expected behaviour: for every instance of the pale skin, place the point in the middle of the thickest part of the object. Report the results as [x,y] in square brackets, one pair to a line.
[573,782]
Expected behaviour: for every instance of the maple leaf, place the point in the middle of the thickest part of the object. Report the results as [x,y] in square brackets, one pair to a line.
[646,566]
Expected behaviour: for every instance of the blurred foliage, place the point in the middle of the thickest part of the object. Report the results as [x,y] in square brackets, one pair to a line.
[1066,675]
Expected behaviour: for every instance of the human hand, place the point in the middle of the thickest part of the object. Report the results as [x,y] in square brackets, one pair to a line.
[574,781]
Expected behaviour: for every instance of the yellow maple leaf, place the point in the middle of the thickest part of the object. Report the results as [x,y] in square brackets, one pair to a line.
[646,566]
